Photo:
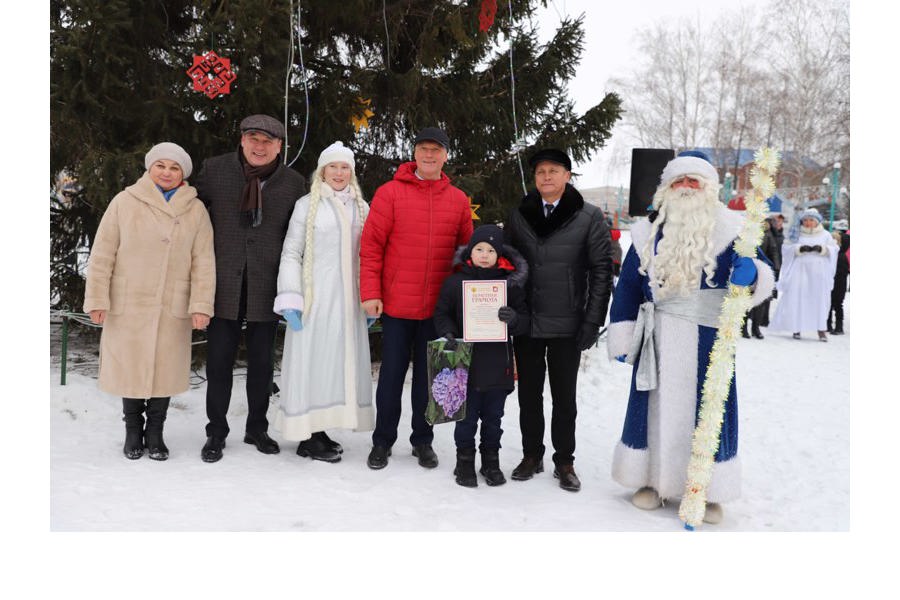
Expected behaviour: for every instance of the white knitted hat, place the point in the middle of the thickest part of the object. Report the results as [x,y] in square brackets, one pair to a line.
[169,151]
[688,165]
[336,152]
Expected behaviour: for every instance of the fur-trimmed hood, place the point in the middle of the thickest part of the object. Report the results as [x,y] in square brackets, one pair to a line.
[515,265]
[532,208]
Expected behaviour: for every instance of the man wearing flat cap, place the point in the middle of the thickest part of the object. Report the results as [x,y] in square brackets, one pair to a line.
[415,224]
[250,195]
[567,245]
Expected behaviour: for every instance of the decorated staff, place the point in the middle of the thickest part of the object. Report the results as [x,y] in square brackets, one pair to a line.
[664,320]
[720,375]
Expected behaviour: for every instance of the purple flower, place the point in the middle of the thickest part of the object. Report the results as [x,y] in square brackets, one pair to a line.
[449,389]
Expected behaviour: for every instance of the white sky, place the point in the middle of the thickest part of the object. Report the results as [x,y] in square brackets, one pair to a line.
[610,49]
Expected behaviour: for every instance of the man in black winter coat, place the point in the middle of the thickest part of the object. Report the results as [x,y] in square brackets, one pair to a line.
[567,245]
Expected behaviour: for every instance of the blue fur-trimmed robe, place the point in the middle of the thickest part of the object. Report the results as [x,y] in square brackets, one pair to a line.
[656,439]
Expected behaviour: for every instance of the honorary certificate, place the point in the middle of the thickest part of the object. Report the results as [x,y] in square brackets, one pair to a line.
[481,300]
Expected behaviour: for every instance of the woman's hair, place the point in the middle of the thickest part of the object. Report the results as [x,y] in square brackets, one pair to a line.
[315,195]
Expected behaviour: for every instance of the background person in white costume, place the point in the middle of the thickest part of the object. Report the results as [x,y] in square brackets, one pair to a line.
[326,378]
[809,259]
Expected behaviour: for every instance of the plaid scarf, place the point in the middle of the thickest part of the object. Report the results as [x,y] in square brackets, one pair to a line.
[251,197]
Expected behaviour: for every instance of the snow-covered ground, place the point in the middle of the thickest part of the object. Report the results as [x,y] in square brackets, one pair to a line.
[795,446]
[794,443]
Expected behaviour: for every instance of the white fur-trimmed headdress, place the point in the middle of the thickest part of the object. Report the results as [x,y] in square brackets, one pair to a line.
[809,213]
[689,162]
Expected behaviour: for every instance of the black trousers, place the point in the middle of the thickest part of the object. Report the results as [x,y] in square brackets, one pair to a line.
[400,340]
[559,358]
[486,406]
[837,306]
[758,316]
[223,337]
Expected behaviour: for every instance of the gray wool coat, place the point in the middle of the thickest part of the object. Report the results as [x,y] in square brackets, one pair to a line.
[238,247]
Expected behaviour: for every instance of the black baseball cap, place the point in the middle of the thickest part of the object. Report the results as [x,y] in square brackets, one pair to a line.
[433,134]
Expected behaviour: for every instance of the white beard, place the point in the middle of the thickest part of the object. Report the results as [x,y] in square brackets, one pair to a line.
[686,249]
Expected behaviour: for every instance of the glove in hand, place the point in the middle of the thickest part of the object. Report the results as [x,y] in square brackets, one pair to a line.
[507,315]
[743,271]
[587,336]
[450,344]
[817,248]
[294,319]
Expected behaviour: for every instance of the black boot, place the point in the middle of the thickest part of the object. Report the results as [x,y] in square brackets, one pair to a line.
[528,467]
[465,467]
[838,321]
[133,410]
[336,447]
[317,449]
[490,467]
[157,409]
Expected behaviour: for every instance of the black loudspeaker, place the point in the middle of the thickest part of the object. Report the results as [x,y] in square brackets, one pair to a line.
[647,165]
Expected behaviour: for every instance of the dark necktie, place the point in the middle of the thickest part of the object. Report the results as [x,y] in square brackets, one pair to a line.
[549,208]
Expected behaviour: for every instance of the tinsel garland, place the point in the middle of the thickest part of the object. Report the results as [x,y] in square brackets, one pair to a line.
[705,441]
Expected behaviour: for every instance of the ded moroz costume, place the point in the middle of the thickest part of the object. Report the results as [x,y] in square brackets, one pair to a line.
[663,320]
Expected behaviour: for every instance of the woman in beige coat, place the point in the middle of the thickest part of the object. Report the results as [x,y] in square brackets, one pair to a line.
[150,279]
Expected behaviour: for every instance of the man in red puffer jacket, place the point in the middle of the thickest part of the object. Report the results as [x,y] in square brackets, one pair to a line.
[415,224]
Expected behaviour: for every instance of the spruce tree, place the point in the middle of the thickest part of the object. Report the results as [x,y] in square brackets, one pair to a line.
[118,86]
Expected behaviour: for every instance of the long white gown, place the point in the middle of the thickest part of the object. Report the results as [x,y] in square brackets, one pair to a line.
[804,285]
[326,378]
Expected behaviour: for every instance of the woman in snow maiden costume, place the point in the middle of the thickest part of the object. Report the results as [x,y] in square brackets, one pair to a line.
[151,278]
[809,260]
[491,372]
[663,320]
[326,380]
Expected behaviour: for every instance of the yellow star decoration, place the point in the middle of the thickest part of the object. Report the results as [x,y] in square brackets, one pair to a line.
[474,207]
[362,119]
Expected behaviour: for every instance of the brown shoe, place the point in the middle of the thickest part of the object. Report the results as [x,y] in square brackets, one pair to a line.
[527,468]
[568,480]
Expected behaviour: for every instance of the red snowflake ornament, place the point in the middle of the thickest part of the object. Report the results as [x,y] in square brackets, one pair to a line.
[211,74]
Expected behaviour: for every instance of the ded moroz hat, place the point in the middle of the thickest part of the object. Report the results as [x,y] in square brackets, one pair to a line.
[689,162]
[270,126]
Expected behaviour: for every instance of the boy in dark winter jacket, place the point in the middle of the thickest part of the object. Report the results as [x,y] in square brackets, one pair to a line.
[491,370]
